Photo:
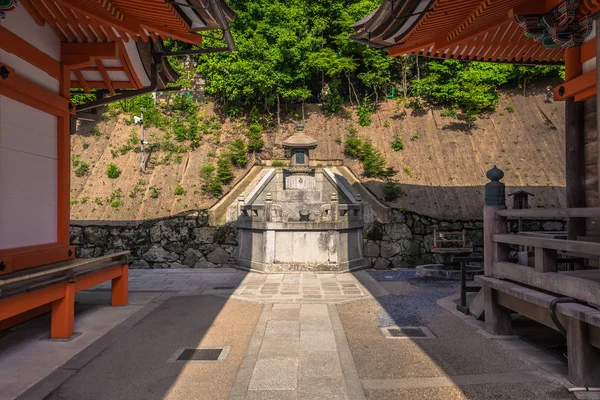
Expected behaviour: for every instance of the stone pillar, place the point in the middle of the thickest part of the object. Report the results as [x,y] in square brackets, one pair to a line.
[360,203]
[240,205]
[497,318]
[268,207]
[334,207]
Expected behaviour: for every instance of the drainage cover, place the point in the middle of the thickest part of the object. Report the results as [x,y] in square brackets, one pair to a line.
[407,332]
[223,287]
[202,354]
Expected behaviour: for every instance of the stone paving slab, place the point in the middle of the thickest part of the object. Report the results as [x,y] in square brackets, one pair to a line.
[304,287]
[294,360]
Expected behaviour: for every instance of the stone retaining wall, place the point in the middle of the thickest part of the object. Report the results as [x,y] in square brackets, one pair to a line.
[407,241]
[177,242]
[188,242]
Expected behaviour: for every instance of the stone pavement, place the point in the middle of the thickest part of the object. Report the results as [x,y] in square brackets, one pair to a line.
[292,336]
[304,287]
[298,351]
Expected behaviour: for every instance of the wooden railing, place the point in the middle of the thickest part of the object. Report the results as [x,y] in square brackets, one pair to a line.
[556,213]
[544,275]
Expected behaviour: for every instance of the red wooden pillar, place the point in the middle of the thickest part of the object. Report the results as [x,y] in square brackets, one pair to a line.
[62,323]
[120,288]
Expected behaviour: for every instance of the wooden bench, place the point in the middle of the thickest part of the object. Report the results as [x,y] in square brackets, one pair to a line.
[32,292]
[582,323]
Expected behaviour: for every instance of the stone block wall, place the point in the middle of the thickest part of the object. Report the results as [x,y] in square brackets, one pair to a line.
[188,242]
[407,241]
[176,242]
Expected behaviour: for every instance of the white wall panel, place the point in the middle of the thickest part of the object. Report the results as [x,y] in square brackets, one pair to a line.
[19,22]
[28,175]
[30,72]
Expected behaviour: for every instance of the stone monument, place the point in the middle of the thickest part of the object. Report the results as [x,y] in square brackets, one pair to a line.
[300,218]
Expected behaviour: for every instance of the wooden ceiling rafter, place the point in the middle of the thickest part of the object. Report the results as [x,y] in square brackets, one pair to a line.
[82,81]
[105,77]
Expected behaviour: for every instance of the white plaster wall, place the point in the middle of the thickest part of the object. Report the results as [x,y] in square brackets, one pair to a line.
[21,24]
[28,175]
[30,72]
[590,64]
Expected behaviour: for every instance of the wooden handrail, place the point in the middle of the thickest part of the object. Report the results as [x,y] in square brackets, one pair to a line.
[574,246]
[572,286]
[551,213]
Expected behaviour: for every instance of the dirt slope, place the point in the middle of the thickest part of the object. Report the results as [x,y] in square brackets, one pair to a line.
[442,167]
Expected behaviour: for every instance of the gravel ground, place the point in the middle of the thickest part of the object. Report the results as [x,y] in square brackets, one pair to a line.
[415,307]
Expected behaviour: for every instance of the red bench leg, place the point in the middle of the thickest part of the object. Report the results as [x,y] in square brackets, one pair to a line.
[62,323]
[120,288]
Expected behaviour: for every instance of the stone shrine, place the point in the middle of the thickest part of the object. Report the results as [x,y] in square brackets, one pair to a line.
[300,218]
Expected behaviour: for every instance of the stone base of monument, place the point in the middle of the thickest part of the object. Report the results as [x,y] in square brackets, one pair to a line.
[296,246]
[442,271]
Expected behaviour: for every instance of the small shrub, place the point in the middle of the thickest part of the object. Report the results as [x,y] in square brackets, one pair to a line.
[85,145]
[154,191]
[353,144]
[338,140]
[114,153]
[397,144]
[210,184]
[332,102]
[237,153]
[278,163]
[99,201]
[224,170]
[450,112]
[408,171]
[392,190]
[415,137]
[96,131]
[365,110]
[373,160]
[73,201]
[415,104]
[510,108]
[179,190]
[114,200]
[113,172]
[82,169]
[178,159]
[84,200]
[255,141]
[386,124]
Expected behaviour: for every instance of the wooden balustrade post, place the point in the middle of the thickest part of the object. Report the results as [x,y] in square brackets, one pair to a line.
[546,260]
[492,223]
[497,318]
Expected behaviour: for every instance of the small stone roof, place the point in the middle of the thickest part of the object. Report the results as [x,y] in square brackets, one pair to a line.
[300,140]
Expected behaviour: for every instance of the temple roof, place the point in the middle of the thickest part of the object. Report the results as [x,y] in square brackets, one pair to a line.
[300,140]
[484,30]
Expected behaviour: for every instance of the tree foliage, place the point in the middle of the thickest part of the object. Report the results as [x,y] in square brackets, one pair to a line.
[289,50]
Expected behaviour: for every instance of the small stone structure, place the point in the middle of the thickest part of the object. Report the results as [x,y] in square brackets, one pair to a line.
[300,218]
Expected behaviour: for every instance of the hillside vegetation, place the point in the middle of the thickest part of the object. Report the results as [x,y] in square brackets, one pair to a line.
[441,166]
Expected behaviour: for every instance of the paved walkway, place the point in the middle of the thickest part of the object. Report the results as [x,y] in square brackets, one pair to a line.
[292,336]
[298,351]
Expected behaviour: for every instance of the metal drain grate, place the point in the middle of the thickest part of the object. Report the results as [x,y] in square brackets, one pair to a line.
[223,287]
[407,332]
[202,354]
